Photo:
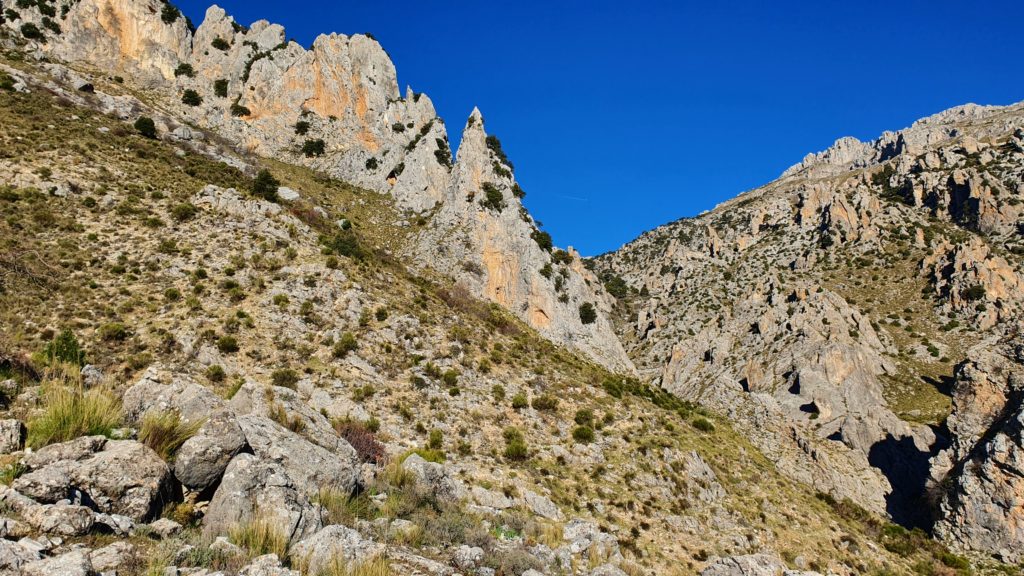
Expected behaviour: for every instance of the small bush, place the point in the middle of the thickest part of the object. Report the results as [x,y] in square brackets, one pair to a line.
[345,344]
[311,148]
[170,13]
[704,425]
[265,186]
[362,438]
[302,127]
[215,373]
[545,402]
[515,444]
[519,401]
[227,344]
[583,434]
[450,377]
[237,110]
[588,315]
[32,32]
[64,348]
[974,293]
[435,439]
[493,198]
[285,378]
[220,88]
[185,69]
[191,98]
[72,412]
[221,44]
[584,417]
[165,432]
[184,211]
[146,127]
[113,332]
[543,239]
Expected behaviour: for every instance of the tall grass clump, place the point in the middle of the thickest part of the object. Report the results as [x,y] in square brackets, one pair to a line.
[71,411]
[259,536]
[165,432]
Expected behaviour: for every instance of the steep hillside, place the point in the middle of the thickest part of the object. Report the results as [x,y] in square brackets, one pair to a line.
[844,315]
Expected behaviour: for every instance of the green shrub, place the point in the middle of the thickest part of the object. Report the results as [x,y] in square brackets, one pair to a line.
[32,32]
[495,146]
[302,127]
[185,69]
[191,98]
[71,412]
[519,401]
[588,315]
[583,434]
[450,377]
[515,444]
[113,332]
[170,13]
[545,402]
[184,211]
[344,243]
[704,425]
[64,348]
[265,186]
[146,127]
[974,293]
[172,294]
[345,344]
[165,432]
[493,198]
[285,378]
[543,239]
[227,344]
[312,148]
[215,373]
[220,88]
[435,440]
[584,417]
[237,110]
[498,391]
[221,44]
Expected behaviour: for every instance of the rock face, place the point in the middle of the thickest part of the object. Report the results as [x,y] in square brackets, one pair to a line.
[483,237]
[819,312]
[275,98]
[980,477]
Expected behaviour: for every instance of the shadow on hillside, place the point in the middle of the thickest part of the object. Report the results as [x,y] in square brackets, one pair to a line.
[906,468]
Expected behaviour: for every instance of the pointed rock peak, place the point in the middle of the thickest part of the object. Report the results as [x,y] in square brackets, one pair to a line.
[475,121]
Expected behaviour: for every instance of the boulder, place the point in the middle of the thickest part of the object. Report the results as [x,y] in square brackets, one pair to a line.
[268,565]
[254,487]
[160,390]
[335,542]
[12,435]
[75,563]
[61,519]
[112,476]
[434,478]
[749,565]
[309,466]
[111,557]
[13,556]
[202,459]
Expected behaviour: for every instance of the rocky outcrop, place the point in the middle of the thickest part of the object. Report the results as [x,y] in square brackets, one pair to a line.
[484,238]
[979,479]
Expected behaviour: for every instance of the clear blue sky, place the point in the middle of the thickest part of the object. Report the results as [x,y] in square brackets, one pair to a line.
[621,116]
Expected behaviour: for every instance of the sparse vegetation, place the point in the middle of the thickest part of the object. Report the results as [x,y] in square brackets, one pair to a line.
[165,432]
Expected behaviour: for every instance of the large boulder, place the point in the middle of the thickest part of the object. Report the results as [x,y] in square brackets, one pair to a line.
[335,542]
[74,563]
[311,467]
[749,565]
[161,391]
[113,476]
[60,519]
[202,459]
[255,488]
[434,478]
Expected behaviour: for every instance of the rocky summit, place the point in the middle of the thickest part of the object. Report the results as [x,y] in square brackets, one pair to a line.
[259,319]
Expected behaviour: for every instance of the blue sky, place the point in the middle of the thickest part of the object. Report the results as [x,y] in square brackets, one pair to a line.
[621,116]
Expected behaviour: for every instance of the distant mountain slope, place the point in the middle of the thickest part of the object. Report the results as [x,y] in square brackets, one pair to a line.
[832,313]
